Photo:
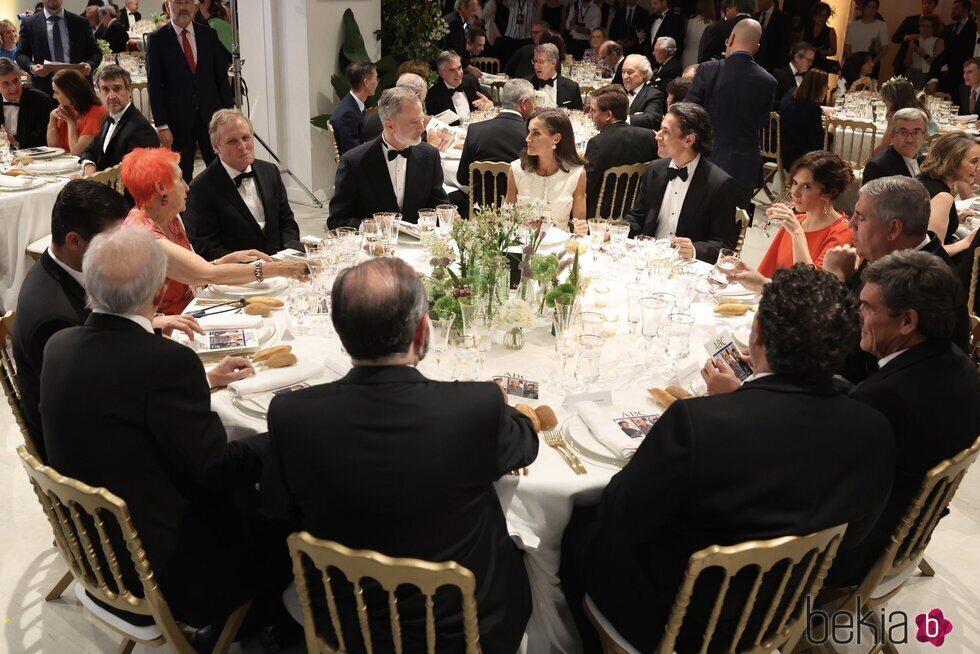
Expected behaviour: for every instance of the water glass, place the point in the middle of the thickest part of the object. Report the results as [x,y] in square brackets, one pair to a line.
[660,270]
[446,213]
[685,282]
[428,219]
[679,326]
[481,328]
[566,340]
[372,239]
[589,352]
[565,310]
[466,355]
[654,310]
[597,236]
[619,230]
[389,230]
[591,323]
[727,262]
[635,291]
[440,326]
[301,299]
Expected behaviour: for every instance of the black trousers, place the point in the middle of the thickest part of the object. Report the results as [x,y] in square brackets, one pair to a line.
[186,144]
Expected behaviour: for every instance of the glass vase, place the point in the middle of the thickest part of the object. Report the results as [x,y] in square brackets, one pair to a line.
[514,338]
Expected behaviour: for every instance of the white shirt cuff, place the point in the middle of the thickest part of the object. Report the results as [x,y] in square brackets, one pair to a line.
[161,127]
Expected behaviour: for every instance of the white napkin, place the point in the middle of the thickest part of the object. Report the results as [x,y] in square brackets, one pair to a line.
[270,286]
[601,422]
[8,181]
[270,380]
[733,290]
[230,321]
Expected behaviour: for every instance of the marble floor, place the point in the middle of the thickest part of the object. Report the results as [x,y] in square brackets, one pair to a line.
[30,566]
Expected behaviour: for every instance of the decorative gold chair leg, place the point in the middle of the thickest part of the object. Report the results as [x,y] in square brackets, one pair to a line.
[126,646]
[926,569]
[228,634]
[59,588]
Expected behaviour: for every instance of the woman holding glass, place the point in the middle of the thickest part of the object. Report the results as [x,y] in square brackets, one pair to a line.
[953,158]
[153,178]
[77,120]
[550,170]
[855,74]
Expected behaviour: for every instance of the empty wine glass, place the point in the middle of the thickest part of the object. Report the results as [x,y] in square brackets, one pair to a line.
[566,340]
[440,326]
[597,236]
[619,230]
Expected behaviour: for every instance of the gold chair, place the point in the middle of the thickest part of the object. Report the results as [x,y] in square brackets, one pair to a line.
[625,182]
[389,573]
[853,140]
[770,144]
[333,142]
[486,64]
[110,177]
[8,380]
[78,514]
[141,99]
[807,560]
[742,218]
[904,553]
[972,301]
[489,173]
[496,88]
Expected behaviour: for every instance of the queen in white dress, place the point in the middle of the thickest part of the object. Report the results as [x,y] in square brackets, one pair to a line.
[550,171]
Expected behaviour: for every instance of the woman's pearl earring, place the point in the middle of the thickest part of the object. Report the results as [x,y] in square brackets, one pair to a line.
[554,146]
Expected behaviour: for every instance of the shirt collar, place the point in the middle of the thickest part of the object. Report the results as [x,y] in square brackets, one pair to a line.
[139,320]
[452,88]
[792,69]
[925,242]
[756,376]
[511,111]
[48,14]
[231,171]
[116,117]
[360,105]
[691,167]
[76,275]
[884,361]
[178,29]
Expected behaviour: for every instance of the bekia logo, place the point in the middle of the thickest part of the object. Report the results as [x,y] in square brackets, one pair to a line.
[933,627]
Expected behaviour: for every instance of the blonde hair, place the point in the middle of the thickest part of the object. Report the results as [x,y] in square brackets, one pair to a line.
[946,153]
[224,117]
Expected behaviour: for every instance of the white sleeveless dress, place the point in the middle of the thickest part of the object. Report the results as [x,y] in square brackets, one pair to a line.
[556,191]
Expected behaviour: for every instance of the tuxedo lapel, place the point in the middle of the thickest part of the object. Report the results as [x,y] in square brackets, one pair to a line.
[696,194]
[414,184]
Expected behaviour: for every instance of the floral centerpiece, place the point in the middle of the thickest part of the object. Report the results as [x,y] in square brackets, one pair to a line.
[515,316]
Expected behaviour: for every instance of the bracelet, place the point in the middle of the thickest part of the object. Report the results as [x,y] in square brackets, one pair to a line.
[258,271]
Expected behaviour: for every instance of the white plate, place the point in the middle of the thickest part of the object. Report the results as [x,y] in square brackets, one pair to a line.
[968,118]
[582,441]
[452,153]
[272,286]
[43,152]
[555,236]
[55,166]
[19,183]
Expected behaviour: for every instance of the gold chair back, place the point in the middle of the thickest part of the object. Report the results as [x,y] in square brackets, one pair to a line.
[493,183]
[743,220]
[141,99]
[625,183]
[972,301]
[770,144]
[486,64]
[8,380]
[111,177]
[389,573]
[333,142]
[853,140]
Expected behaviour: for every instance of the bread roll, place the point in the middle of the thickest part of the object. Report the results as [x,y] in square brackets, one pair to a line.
[281,360]
[732,309]
[678,392]
[258,310]
[267,301]
[264,355]
[547,417]
[529,412]
[662,397]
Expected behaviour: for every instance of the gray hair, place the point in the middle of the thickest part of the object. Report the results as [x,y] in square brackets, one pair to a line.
[414,83]
[393,99]
[900,198]
[514,91]
[108,10]
[550,50]
[911,114]
[445,57]
[112,72]
[459,4]
[8,66]
[123,269]
[223,117]
[667,44]
[642,63]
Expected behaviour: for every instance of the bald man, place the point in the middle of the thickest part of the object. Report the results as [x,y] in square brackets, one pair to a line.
[737,94]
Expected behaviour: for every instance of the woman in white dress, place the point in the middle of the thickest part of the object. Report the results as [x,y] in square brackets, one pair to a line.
[706,14]
[550,170]
[923,51]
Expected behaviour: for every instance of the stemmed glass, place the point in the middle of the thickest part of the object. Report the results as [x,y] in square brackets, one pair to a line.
[654,310]
[597,236]
[427,226]
[589,351]
[635,291]
[481,328]
[446,213]
[440,326]
[566,339]
[619,230]
[372,241]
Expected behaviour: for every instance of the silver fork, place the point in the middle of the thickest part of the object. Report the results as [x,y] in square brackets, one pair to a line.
[555,439]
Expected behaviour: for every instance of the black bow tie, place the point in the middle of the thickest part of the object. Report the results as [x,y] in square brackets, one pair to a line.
[659,16]
[674,173]
[458,89]
[110,120]
[398,153]
[11,104]
[241,177]
[797,74]
[540,83]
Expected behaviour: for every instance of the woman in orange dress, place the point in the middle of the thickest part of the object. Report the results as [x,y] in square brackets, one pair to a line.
[817,178]
[153,178]
[77,120]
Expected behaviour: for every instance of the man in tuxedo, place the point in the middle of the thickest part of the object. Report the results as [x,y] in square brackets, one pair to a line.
[611,55]
[394,172]
[776,32]
[476,42]
[238,202]
[499,139]
[56,35]
[616,144]
[647,103]
[908,31]
[626,27]
[187,75]
[130,15]
[348,118]
[25,111]
[92,16]
[714,40]
[411,81]
[738,95]
[664,22]
[788,77]
[112,31]
[970,89]
[902,156]
[520,63]
[343,455]
[665,54]
[789,411]
[959,44]
[684,196]
[455,90]
[562,91]
[463,14]
[124,129]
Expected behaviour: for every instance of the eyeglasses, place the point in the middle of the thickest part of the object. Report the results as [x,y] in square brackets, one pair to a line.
[904,133]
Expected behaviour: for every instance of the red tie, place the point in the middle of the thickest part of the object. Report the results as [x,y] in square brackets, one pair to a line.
[188,53]
[973,100]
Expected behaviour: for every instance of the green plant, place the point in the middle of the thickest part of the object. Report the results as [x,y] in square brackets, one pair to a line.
[104,46]
[411,29]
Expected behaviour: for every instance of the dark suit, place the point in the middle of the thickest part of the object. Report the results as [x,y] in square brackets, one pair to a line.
[499,139]
[363,185]
[738,95]
[115,34]
[673,26]
[801,129]
[647,107]
[620,30]
[886,163]
[715,36]
[618,144]
[32,48]
[668,71]
[182,100]
[348,124]
[568,95]
[964,98]
[50,300]
[129,410]
[785,84]
[910,25]
[124,17]
[440,97]
[931,396]
[520,63]
[957,48]
[218,221]
[32,118]
[133,131]
[455,39]
[707,216]
[646,534]
[617,77]
[774,49]
[406,467]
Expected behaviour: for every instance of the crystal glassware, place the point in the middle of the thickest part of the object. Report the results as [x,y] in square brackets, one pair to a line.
[440,326]
[679,326]
[654,310]
[634,314]
[589,351]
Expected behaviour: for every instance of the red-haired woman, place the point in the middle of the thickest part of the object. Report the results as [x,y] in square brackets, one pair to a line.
[153,178]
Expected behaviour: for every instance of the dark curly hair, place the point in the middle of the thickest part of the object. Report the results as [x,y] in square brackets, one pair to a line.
[828,170]
[809,323]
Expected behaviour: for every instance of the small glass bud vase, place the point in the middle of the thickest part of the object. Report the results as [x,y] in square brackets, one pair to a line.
[514,338]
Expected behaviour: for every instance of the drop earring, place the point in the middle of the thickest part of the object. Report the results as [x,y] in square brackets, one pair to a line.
[164,201]
[554,146]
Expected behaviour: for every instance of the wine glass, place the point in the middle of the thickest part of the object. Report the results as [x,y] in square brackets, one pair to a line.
[635,291]
[597,236]
[440,326]
[446,213]
[619,230]
[589,352]
[566,340]
[653,309]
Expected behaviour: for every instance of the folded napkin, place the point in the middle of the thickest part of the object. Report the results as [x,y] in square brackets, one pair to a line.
[602,424]
[7,181]
[270,380]
[54,165]
[274,285]
[230,321]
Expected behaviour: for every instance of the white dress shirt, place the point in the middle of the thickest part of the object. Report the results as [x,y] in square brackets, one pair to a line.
[109,132]
[655,26]
[925,242]
[396,170]
[673,201]
[796,78]
[75,274]
[461,103]
[178,31]
[132,18]
[884,361]
[10,116]
[552,91]
[360,105]
[138,319]
[912,165]
[249,192]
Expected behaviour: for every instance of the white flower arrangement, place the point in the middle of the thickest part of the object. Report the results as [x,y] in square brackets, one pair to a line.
[516,314]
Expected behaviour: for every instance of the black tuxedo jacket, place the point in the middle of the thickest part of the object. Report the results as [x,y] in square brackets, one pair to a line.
[618,144]
[910,25]
[218,221]
[672,25]
[348,124]
[668,71]
[520,63]
[957,48]
[964,98]
[715,36]
[129,410]
[440,98]
[455,39]
[363,185]
[801,129]
[32,48]
[50,300]
[179,98]
[405,466]
[32,119]
[568,96]
[116,35]
[619,30]
[773,50]
[124,17]
[499,139]
[647,107]
[682,492]
[785,84]
[707,216]
[617,77]
[133,131]
[886,163]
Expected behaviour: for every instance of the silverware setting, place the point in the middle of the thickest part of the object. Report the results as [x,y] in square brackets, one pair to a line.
[555,438]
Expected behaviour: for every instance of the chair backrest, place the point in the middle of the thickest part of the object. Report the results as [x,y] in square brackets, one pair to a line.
[742,218]
[806,560]
[972,301]
[486,64]
[769,138]
[389,573]
[141,99]
[853,140]
[8,381]
[333,142]
[111,177]
[492,178]
[621,184]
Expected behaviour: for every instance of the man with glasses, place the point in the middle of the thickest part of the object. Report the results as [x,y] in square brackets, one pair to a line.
[789,76]
[902,156]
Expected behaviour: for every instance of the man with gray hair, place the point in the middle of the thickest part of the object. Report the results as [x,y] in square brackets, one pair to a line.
[111,30]
[909,131]
[411,81]
[396,172]
[343,456]
[124,128]
[238,202]
[647,103]
[665,54]
[25,110]
[455,91]
[562,91]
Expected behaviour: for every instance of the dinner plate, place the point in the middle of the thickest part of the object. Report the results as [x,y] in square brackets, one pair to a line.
[967,118]
[42,152]
[272,286]
[452,153]
[55,166]
[555,236]
[19,183]
[580,437]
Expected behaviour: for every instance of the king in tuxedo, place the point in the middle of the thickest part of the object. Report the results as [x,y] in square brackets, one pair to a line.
[902,156]
[348,118]
[25,111]
[455,91]
[238,202]
[684,196]
[123,129]
[561,90]
[647,103]
[70,40]
[789,77]
[394,172]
